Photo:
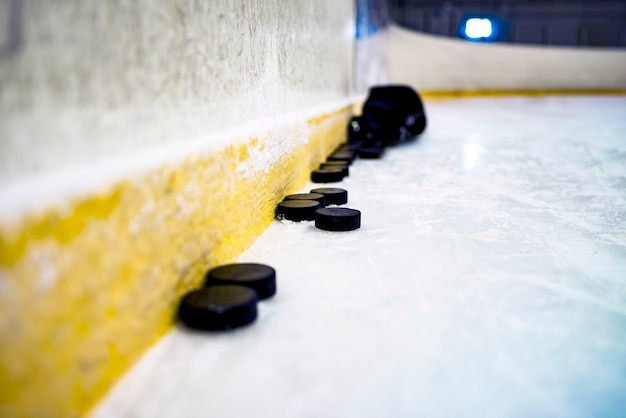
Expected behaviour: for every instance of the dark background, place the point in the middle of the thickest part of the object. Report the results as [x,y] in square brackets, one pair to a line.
[588,23]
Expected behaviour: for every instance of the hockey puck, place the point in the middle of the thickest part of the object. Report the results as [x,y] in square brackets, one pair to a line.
[308,196]
[339,164]
[371,152]
[349,146]
[336,163]
[297,210]
[333,195]
[337,219]
[218,308]
[258,277]
[327,175]
[342,156]
[348,149]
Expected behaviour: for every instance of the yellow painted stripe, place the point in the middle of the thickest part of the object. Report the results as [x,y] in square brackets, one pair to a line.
[498,93]
[85,290]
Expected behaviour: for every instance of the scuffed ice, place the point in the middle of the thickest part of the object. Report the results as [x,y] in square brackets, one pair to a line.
[488,279]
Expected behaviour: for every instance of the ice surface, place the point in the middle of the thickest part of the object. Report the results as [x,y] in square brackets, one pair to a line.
[488,279]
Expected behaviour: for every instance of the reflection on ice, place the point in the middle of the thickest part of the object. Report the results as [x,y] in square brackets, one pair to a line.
[471,154]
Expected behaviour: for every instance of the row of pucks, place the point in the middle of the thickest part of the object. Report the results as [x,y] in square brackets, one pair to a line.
[306,207]
[312,206]
[231,292]
[335,169]
[337,164]
[391,114]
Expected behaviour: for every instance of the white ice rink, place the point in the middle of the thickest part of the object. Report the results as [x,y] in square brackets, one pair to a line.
[488,279]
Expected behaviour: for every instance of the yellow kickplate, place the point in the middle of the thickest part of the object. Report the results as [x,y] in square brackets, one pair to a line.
[446,94]
[86,289]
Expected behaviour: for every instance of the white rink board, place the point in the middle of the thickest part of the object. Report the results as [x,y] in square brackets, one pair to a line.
[437,63]
[488,279]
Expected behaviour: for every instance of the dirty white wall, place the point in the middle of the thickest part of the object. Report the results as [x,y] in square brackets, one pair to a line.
[203,114]
[83,82]
[432,63]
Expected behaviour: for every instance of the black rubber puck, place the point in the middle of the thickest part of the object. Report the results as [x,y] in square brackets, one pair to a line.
[337,219]
[371,152]
[327,175]
[218,308]
[342,156]
[308,196]
[355,145]
[259,277]
[350,146]
[339,164]
[297,210]
[333,195]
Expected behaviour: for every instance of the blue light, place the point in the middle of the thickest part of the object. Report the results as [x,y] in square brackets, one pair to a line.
[481,29]
[477,28]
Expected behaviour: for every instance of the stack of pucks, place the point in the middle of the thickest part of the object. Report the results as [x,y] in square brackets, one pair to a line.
[391,114]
